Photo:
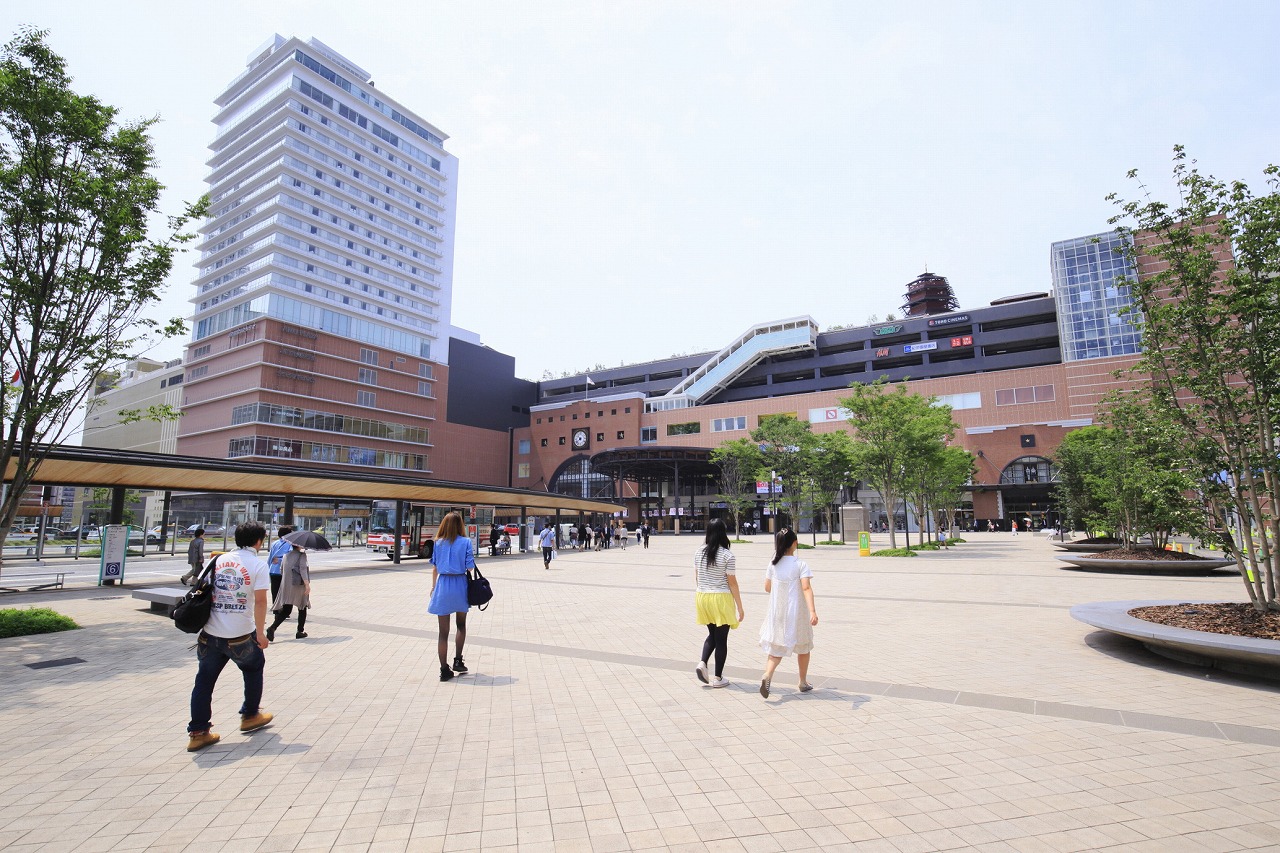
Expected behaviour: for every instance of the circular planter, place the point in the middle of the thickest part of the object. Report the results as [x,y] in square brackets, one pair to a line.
[1086,547]
[1221,651]
[1149,567]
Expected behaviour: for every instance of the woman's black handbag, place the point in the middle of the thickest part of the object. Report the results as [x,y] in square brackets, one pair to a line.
[478,590]
[192,612]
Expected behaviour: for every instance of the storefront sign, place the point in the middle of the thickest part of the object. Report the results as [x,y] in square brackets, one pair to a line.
[882,352]
[948,321]
[920,347]
[963,341]
[886,330]
[830,415]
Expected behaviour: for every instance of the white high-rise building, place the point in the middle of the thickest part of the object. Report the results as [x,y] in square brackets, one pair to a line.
[322,307]
[329,200]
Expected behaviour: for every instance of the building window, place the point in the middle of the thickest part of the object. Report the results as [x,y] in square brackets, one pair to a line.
[367,399]
[648,435]
[424,389]
[197,372]
[539,420]
[599,436]
[1026,394]
[627,410]
[544,443]
[622,434]
[368,376]
[613,411]
[369,356]
[424,370]
[201,352]
[522,470]
[523,447]
[690,428]
[727,424]
[561,440]
[1029,469]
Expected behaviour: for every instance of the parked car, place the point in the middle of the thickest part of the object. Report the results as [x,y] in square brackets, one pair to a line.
[209,529]
[155,536]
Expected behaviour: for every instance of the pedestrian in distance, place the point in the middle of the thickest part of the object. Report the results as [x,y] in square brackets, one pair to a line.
[275,559]
[295,591]
[195,557]
[718,601]
[547,541]
[791,615]
[452,558]
[647,530]
[234,632]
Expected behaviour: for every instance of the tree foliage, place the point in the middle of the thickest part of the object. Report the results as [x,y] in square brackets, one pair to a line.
[739,462]
[79,271]
[830,468]
[785,442]
[894,427]
[1209,298]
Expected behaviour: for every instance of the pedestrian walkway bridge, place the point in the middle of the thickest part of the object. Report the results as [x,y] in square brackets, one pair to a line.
[762,340]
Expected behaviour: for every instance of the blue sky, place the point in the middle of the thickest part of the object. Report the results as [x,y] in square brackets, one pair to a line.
[639,179]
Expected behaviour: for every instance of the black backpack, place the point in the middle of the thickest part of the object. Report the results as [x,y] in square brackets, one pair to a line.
[192,612]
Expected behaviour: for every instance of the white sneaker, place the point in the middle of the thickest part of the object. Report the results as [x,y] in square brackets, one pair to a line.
[720,682]
[701,671]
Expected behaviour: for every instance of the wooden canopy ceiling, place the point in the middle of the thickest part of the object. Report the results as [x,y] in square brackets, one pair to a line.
[91,466]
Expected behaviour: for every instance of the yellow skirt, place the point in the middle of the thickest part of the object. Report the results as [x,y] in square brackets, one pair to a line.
[717,608]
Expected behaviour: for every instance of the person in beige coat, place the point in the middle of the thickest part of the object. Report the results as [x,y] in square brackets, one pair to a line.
[295,591]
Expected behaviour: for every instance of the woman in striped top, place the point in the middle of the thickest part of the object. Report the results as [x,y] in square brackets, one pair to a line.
[717,599]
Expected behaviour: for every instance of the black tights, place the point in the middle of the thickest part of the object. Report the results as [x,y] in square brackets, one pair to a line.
[285,611]
[442,646]
[718,641]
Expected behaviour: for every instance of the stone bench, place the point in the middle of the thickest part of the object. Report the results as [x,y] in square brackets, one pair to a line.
[163,598]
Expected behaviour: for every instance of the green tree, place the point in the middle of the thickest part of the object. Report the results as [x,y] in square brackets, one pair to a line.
[892,429]
[831,461]
[100,505]
[936,482]
[785,442]
[1081,460]
[79,271]
[739,462]
[1210,318]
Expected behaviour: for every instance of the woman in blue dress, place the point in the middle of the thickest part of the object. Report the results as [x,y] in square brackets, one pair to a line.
[452,557]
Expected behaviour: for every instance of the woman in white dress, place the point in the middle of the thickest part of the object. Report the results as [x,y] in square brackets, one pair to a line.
[788,624]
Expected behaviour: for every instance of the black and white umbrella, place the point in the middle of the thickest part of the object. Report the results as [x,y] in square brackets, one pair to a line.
[308,539]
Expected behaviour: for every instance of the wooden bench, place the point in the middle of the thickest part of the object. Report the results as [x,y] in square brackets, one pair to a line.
[163,598]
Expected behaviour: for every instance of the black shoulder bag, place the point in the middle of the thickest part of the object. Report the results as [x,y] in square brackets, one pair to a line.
[192,612]
[478,590]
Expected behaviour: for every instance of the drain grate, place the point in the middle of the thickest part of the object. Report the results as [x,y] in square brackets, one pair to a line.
[46,664]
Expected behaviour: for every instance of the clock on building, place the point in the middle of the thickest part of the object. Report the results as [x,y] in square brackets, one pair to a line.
[581,439]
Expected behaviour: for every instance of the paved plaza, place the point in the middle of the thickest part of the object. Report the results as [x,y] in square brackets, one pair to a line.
[958,706]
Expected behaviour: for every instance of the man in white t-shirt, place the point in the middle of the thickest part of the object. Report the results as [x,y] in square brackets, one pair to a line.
[235,632]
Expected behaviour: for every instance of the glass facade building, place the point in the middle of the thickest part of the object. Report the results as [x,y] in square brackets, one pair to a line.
[1093,304]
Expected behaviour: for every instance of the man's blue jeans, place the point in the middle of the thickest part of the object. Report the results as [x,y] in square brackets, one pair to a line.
[213,653]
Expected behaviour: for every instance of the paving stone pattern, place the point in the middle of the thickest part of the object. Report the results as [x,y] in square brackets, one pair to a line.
[958,707]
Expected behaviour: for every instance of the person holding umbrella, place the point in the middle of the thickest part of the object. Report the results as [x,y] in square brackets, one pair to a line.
[295,581]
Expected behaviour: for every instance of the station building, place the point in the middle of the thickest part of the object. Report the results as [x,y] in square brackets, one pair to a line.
[1019,374]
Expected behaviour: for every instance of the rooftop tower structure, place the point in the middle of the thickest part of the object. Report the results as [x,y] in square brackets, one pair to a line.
[929,294]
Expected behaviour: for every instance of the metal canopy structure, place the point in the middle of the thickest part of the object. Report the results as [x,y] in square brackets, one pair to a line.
[91,466]
[655,463]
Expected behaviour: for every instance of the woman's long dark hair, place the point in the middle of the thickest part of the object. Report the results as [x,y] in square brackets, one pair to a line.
[717,538]
[450,527]
[782,543]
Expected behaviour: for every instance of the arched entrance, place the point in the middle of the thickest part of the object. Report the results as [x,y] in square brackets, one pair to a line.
[1027,486]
